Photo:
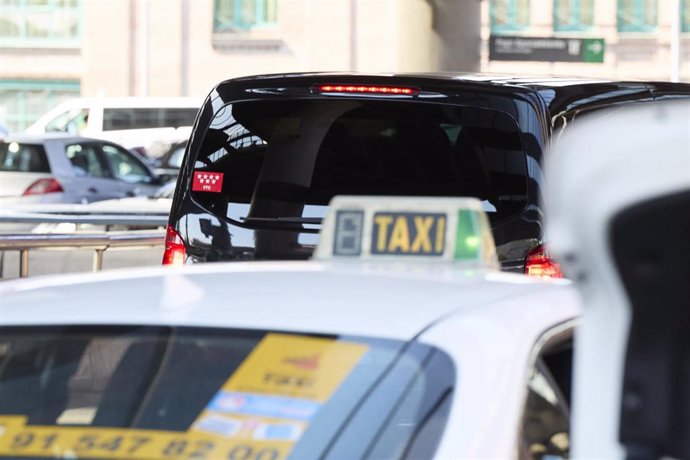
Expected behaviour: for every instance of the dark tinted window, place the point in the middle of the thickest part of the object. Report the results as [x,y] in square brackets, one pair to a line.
[284,158]
[545,424]
[23,157]
[179,117]
[184,389]
[85,160]
[147,118]
[124,166]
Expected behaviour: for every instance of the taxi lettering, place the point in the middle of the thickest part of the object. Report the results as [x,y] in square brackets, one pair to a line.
[404,233]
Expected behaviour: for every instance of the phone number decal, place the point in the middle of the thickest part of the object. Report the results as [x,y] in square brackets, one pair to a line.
[20,440]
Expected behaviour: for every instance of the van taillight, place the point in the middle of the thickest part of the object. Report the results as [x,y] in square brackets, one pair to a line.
[42,186]
[538,263]
[175,251]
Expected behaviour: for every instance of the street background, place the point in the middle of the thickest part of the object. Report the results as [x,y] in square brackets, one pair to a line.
[52,50]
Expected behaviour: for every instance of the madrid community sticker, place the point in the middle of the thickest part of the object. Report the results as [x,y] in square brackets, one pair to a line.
[205,181]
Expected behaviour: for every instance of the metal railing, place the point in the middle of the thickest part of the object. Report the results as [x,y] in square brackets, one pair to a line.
[152,216]
[98,242]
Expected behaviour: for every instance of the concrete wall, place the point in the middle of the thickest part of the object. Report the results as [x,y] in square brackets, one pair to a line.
[456,30]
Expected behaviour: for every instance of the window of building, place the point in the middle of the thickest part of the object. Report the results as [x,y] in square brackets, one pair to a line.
[573,15]
[23,101]
[685,16]
[44,23]
[637,15]
[509,15]
[242,15]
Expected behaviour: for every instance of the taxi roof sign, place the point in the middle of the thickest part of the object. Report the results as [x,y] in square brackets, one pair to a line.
[410,228]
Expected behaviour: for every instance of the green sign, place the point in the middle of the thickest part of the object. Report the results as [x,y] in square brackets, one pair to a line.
[593,50]
[546,49]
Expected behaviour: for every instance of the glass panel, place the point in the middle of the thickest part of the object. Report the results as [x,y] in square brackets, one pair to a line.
[233,15]
[161,392]
[179,117]
[73,122]
[637,15]
[522,13]
[22,102]
[507,15]
[85,160]
[23,157]
[499,12]
[545,424]
[573,15]
[124,166]
[287,159]
[31,22]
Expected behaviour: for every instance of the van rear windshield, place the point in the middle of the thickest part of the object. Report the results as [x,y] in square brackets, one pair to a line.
[288,158]
[185,392]
[23,158]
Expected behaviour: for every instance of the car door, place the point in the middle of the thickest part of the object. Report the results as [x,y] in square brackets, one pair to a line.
[92,178]
[131,175]
[545,425]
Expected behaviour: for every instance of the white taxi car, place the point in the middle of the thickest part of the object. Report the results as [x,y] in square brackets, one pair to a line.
[401,340]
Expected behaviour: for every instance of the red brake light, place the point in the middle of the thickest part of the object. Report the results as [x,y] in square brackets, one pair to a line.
[42,186]
[175,252]
[366,89]
[538,263]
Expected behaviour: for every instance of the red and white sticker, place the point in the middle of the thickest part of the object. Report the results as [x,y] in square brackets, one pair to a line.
[205,181]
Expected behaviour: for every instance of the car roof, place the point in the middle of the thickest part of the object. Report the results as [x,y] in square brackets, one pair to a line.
[380,300]
[560,93]
[27,138]
[134,102]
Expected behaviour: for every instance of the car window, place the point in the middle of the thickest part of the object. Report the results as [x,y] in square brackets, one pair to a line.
[289,158]
[183,392]
[176,157]
[176,117]
[545,427]
[16,156]
[124,166]
[73,121]
[147,118]
[85,160]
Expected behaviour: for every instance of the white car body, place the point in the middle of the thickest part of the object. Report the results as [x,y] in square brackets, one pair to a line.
[492,324]
[155,140]
[603,165]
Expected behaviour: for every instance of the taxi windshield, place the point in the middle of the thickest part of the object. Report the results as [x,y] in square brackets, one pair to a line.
[283,161]
[182,392]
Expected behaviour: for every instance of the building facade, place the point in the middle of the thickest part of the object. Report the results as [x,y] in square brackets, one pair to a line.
[56,49]
[637,35]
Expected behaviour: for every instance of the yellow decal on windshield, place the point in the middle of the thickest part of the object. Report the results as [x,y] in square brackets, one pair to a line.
[259,414]
[296,366]
[279,388]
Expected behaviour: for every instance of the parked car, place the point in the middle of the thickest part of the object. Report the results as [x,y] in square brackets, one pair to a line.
[168,165]
[267,153]
[150,124]
[59,168]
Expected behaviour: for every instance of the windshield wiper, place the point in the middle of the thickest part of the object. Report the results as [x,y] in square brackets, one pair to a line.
[282,220]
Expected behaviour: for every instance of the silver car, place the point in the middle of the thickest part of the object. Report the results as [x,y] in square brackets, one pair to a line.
[58,168]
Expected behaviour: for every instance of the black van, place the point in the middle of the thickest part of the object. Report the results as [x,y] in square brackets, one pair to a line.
[267,153]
